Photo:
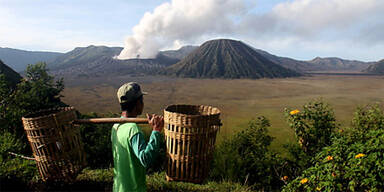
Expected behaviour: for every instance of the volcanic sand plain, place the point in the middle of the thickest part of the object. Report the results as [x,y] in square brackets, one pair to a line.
[240,100]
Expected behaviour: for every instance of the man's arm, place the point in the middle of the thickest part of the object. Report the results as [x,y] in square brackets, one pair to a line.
[146,153]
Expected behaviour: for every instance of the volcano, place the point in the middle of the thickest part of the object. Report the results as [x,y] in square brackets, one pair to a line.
[229,59]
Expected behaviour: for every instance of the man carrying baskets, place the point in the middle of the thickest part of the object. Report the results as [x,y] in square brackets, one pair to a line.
[131,154]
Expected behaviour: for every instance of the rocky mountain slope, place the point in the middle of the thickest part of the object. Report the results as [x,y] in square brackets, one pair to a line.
[225,58]
[10,75]
[99,60]
[337,64]
[377,68]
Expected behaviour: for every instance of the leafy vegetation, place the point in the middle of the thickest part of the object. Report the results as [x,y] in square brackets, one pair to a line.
[245,158]
[97,142]
[353,162]
[313,126]
[324,157]
[37,91]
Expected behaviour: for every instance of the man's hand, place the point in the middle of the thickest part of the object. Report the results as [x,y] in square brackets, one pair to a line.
[156,122]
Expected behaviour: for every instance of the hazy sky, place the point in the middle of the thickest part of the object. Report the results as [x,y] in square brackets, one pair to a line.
[301,29]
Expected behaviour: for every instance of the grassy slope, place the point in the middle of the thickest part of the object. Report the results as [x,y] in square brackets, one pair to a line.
[102,180]
[239,100]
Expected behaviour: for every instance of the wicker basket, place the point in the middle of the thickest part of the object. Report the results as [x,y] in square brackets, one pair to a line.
[55,143]
[190,133]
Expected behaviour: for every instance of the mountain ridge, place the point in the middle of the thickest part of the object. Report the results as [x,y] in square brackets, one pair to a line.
[226,58]
[100,60]
[338,64]
[377,68]
[19,59]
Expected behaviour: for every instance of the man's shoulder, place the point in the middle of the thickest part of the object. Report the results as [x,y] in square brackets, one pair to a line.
[128,129]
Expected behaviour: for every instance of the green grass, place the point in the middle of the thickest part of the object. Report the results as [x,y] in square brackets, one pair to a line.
[103,179]
[239,100]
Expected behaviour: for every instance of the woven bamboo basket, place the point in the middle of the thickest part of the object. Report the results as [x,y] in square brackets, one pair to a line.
[190,133]
[56,143]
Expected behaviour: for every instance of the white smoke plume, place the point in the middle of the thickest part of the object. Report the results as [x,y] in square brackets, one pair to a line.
[305,21]
[180,21]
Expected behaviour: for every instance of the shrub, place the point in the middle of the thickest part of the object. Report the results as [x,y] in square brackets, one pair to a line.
[313,125]
[246,158]
[346,166]
[9,143]
[354,161]
[15,173]
[97,142]
[369,117]
[37,91]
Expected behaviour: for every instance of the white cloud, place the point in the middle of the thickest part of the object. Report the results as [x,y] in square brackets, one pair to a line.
[312,16]
[285,26]
[181,21]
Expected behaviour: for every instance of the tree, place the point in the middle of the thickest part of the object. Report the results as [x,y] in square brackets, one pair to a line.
[37,91]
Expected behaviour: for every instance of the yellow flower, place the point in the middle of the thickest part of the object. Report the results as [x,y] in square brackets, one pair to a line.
[318,188]
[294,112]
[305,180]
[329,158]
[359,155]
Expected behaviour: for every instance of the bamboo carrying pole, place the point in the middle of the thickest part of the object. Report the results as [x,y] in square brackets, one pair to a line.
[111,120]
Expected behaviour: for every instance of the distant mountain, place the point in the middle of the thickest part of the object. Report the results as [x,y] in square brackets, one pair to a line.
[99,60]
[377,68]
[83,55]
[337,64]
[300,66]
[318,63]
[19,59]
[225,58]
[10,75]
[180,53]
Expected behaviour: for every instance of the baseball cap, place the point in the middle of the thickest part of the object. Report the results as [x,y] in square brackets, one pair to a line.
[129,92]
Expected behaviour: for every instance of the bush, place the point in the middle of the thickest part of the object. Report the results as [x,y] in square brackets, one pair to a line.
[354,161]
[370,117]
[97,142]
[9,143]
[15,173]
[346,166]
[245,158]
[37,91]
[313,125]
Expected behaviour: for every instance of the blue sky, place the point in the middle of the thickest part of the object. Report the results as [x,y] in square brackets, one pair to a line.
[301,29]
[61,25]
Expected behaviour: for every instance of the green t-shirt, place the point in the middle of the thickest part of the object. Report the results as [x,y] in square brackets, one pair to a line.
[131,156]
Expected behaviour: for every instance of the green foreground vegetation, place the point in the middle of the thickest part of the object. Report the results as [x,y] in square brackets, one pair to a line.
[324,156]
